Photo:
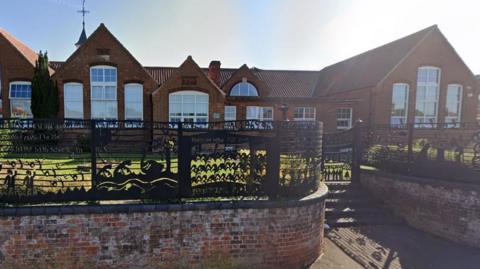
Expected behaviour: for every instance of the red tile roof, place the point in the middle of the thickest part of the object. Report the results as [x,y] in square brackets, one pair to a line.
[282,83]
[369,68]
[27,52]
[358,72]
[30,55]
[289,83]
[161,74]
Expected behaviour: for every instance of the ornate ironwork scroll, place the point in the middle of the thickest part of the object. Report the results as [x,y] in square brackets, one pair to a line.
[228,163]
[300,156]
[45,161]
[337,155]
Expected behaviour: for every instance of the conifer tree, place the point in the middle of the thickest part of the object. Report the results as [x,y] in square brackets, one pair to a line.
[44,90]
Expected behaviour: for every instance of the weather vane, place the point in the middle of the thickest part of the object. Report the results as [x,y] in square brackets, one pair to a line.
[83,35]
[83,11]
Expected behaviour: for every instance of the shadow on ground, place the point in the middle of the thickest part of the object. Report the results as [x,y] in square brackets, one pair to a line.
[401,247]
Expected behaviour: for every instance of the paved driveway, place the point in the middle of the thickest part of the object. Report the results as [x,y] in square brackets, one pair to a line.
[335,258]
[393,247]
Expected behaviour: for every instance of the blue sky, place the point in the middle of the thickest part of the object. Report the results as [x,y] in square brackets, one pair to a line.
[270,34]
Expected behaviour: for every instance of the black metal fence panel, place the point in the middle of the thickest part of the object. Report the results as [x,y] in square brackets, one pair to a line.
[439,151]
[90,160]
[338,155]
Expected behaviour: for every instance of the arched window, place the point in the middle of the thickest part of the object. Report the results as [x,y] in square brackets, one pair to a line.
[103,81]
[188,106]
[73,100]
[454,105]
[426,107]
[399,104]
[20,94]
[244,89]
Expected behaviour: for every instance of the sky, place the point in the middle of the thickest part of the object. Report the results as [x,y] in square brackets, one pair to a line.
[268,34]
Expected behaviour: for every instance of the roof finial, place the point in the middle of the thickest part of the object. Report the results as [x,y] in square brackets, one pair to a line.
[83,11]
[83,35]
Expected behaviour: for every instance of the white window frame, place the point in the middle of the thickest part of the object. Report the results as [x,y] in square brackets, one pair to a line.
[227,114]
[259,113]
[101,102]
[349,120]
[454,122]
[66,100]
[403,118]
[29,100]
[252,91]
[182,117]
[421,121]
[128,87]
[304,113]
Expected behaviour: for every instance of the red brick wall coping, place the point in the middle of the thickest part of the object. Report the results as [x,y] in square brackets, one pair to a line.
[447,209]
[236,234]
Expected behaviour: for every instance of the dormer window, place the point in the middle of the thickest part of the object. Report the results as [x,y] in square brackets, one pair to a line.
[244,88]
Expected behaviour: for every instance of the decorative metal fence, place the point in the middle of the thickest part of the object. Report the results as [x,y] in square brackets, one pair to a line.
[90,160]
[338,155]
[438,151]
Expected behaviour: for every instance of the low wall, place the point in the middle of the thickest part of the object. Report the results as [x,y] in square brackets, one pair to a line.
[241,234]
[448,209]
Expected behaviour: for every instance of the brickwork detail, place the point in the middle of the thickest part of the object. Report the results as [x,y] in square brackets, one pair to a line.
[282,237]
[446,209]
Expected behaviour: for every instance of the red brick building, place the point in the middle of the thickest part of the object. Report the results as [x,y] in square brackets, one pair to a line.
[419,78]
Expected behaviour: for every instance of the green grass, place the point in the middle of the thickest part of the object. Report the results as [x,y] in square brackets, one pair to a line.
[74,170]
[71,170]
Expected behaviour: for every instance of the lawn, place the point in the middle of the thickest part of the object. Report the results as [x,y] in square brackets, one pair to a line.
[55,171]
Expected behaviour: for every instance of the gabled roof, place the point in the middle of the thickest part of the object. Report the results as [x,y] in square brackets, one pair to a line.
[282,83]
[365,70]
[369,68]
[30,55]
[189,65]
[161,73]
[101,29]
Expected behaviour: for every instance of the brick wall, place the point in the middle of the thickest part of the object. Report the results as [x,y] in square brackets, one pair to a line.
[103,48]
[449,210]
[243,234]
[199,82]
[359,101]
[13,67]
[433,51]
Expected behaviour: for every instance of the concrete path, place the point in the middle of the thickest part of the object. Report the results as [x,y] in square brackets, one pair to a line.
[393,247]
[335,258]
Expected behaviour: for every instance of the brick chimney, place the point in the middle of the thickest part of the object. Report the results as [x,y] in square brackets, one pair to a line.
[214,72]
